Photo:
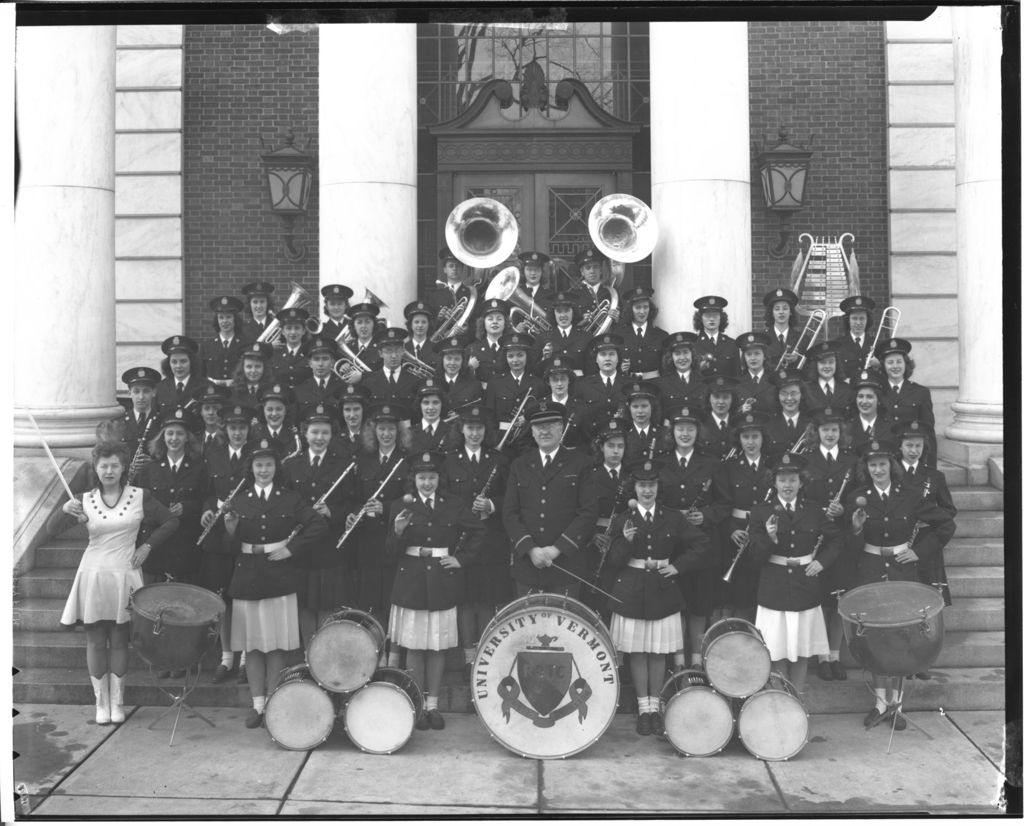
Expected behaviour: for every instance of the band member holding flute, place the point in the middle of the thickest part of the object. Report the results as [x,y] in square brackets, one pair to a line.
[829,477]
[220,354]
[882,518]
[225,474]
[432,534]
[792,541]
[654,545]
[315,474]
[550,508]
[270,528]
[716,352]
[477,475]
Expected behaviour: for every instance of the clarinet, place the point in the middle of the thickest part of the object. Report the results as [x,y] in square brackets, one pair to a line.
[133,467]
[619,491]
[727,577]
[486,488]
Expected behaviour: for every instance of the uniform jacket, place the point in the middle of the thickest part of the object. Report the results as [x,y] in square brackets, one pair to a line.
[504,395]
[222,476]
[722,356]
[490,362]
[299,475]
[677,393]
[644,353]
[575,346]
[683,488]
[914,401]
[774,351]
[252,329]
[882,429]
[366,543]
[824,479]
[243,395]
[290,370]
[851,358]
[178,556]
[308,391]
[218,360]
[779,438]
[421,583]
[598,401]
[556,506]
[814,396]
[763,392]
[646,594]
[713,440]
[384,392]
[134,430]
[891,523]
[640,446]
[260,523]
[167,391]
[464,390]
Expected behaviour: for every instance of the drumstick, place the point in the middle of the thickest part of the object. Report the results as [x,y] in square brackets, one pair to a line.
[584,581]
[49,453]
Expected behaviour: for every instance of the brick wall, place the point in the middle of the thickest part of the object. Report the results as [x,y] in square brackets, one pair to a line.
[243,83]
[825,79]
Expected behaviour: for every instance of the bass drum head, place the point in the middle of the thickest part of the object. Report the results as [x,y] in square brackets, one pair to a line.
[736,659]
[698,721]
[343,655]
[773,725]
[380,718]
[299,715]
[544,678]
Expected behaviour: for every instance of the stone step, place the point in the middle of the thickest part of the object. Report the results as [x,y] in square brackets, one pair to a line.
[979,523]
[60,553]
[36,614]
[972,551]
[45,583]
[66,649]
[983,498]
[972,581]
[952,688]
[955,474]
[975,614]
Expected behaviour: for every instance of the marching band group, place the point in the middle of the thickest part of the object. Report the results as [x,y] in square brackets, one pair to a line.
[557,441]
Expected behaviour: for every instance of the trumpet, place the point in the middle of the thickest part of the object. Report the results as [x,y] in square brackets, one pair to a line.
[505,285]
[888,323]
[417,367]
[807,336]
[298,298]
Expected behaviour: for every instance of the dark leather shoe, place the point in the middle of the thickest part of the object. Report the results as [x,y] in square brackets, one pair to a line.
[824,671]
[435,719]
[422,724]
[838,670]
[222,672]
[242,679]
[253,719]
[872,717]
[923,675]
[657,724]
[643,724]
[901,722]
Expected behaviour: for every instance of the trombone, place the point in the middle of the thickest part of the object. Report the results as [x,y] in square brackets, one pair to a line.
[888,323]
[505,286]
[298,298]
[807,337]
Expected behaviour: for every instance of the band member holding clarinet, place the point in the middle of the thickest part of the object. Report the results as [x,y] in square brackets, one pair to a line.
[270,528]
[792,541]
[141,419]
[645,438]
[477,475]
[225,477]
[550,508]
[653,546]
[507,390]
[883,516]
[431,534]
[829,477]
[613,489]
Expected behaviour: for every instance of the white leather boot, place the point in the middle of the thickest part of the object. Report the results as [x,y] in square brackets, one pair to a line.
[100,688]
[116,699]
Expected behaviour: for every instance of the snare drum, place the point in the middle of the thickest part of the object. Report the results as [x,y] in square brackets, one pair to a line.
[380,716]
[299,714]
[699,721]
[173,624]
[345,650]
[893,628]
[773,722]
[735,657]
[544,679]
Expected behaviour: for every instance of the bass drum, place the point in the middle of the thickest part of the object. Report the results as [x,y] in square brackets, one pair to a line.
[773,722]
[735,657]
[173,624]
[380,716]
[894,629]
[544,680]
[345,650]
[300,714]
[699,721]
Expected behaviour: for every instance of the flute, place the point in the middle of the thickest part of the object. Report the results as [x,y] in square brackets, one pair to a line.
[224,507]
[362,510]
[323,498]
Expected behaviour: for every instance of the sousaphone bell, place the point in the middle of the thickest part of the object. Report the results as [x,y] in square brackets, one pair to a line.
[481,232]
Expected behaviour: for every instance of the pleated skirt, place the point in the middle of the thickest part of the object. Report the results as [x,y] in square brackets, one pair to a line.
[423,630]
[637,636]
[265,624]
[792,634]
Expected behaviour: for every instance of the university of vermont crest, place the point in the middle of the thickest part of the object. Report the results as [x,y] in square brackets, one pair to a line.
[544,678]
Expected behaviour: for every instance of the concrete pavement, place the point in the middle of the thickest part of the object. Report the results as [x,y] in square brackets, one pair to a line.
[71,767]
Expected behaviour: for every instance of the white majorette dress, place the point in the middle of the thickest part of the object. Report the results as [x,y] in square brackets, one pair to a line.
[105,578]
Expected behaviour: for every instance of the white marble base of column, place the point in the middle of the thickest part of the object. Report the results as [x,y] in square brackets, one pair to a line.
[976,422]
[65,427]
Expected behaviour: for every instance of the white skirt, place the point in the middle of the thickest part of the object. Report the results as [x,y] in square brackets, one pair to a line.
[792,634]
[98,594]
[265,624]
[422,630]
[637,636]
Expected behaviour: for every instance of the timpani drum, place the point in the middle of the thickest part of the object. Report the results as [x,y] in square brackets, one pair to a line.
[345,650]
[736,659]
[773,722]
[699,721]
[544,679]
[380,716]
[174,624]
[894,629]
[299,714]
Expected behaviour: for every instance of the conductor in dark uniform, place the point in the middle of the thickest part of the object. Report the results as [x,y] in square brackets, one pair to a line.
[550,508]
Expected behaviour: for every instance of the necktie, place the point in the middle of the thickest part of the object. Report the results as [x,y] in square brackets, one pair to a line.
[224,343]
[430,430]
[140,419]
[474,459]
[829,459]
[315,463]
[643,435]
[721,425]
[234,460]
[608,383]
[639,332]
[614,474]
[494,347]
[547,459]
[174,470]
[263,495]
[790,424]
[782,339]
[753,467]
[896,388]
[828,390]
[789,508]
[416,347]
[682,463]
[858,340]
[430,503]
[383,460]
[648,517]
[885,498]
[391,379]
[181,388]
[911,470]
[323,384]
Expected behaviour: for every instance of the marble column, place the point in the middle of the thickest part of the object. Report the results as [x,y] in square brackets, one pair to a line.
[700,169]
[368,161]
[977,48]
[64,234]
